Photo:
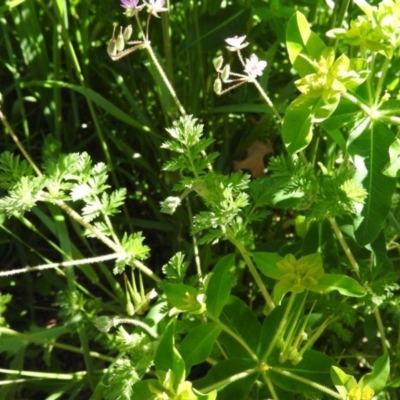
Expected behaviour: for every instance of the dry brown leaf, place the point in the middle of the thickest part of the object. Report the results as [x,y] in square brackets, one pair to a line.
[254,161]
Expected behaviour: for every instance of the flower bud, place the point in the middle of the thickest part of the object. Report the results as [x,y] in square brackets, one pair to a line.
[225,73]
[217,86]
[218,63]
[104,323]
[170,204]
[128,33]
[112,48]
[120,41]
[296,359]
[130,309]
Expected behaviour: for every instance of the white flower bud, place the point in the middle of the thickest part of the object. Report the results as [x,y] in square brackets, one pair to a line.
[218,63]
[112,48]
[217,86]
[120,41]
[128,33]
[225,73]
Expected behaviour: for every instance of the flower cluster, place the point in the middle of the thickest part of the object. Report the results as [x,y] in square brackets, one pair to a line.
[116,47]
[377,31]
[153,7]
[332,76]
[252,67]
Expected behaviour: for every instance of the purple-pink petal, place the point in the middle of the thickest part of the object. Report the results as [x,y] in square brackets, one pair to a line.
[129,3]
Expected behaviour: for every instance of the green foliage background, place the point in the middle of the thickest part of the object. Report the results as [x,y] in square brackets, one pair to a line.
[63,94]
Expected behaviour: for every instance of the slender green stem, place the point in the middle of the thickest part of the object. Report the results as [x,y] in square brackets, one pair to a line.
[270,385]
[64,264]
[227,381]
[381,80]
[344,245]
[390,119]
[307,382]
[194,240]
[46,375]
[381,328]
[72,213]
[36,339]
[140,324]
[358,102]
[86,356]
[147,45]
[19,144]
[281,327]
[254,272]
[268,101]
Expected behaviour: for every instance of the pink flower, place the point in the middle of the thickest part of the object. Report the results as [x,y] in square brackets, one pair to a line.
[131,7]
[236,43]
[254,67]
[156,6]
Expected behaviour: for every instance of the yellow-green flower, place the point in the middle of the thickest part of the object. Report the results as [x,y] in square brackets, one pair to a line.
[298,275]
[357,393]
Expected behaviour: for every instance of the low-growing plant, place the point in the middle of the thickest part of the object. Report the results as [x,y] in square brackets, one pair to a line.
[271,319]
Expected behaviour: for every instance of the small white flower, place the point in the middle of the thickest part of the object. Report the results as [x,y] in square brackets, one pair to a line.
[155,6]
[254,67]
[236,43]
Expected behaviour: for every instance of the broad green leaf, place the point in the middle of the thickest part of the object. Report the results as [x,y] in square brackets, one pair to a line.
[297,123]
[390,107]
[342,381]
[141,389]
[368,146]
[392,168]
[198,343]
[342,283]
[325,108]
[345,114]
[314,367]
[380,250]
[167,357]
[378,377]
[183,297]
[301,40]
[235,376]
[266,263]
[238,317]
[219,285]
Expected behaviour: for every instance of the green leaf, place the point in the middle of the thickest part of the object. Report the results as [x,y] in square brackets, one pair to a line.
[301,40]
[167,357]
[141,390]
[241,320]
[297,123]
[346,113]
[392,168]
[342,283]
[235,377]
[183,297]
[198,343]
[378,377]
[266,263]
[219,285]
[314,367]
[342,381]
[368,146]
